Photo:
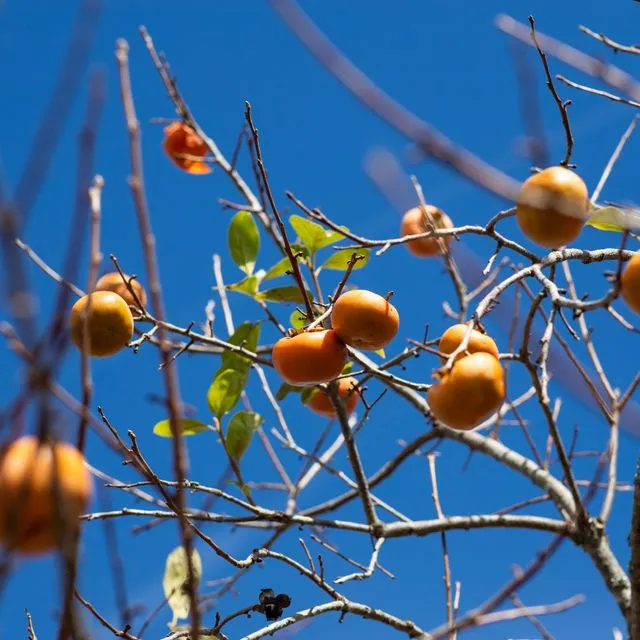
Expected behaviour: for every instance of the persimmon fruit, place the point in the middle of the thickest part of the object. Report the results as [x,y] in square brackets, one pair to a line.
[185,148]
[478,341]
[469,393]
[319,401]
[364,320]
[553,206]
[310,357]
[45,487]
[113,282]
[415,221]
[109,323]
[630,283]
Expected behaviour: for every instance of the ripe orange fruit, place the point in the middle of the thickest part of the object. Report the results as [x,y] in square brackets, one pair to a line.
[109,323]
[364,320]
[320,402]
[44,489]
[630,283]
[181,140]
[309,358]
[469,393]
[414,222]
[113,282]
[478,341]
[552,207]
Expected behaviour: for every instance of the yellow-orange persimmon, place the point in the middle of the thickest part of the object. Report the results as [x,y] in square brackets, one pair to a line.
[630,283]
[364,319]
[45,488]
[415,221]
[309,358]
[552,207]
[469,393]
[108,320]
[185,148]
[113,282]
[320,402]
[478,341]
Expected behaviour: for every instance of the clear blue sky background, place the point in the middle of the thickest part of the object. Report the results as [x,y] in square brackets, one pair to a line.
[447,62]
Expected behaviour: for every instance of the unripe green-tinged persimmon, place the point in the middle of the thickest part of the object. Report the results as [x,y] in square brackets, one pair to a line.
[108,320]
[630,283]
[553,206]
[45,488]
[309,358]
[469,393]
[185,148]
[320,402]
[364,320]
[113,282]
[478,341]
[414,221]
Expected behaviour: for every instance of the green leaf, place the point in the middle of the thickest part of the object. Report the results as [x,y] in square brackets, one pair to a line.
[297,319]
[283,294]
[312,235]
[190,427]
[380,352]
[244,241]
[176,575]
[282,266]
[306,394]
[225,390]
[245,335]
[285,389]
[614,219]
[248,286]
[348,368]
[240,431]
[339,261]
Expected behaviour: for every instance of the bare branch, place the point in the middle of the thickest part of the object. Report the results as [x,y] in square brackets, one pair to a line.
[562,106]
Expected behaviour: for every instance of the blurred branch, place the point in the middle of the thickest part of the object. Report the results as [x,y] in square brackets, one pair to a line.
[430,141]
[136,182]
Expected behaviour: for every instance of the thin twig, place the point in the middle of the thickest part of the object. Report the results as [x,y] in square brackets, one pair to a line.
[613,159]
[616,46]
[30,631]
[431,458]
[295,267]
[598,92]
[562,106]
[368,572]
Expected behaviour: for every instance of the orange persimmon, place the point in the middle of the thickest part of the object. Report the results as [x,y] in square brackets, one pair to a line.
[319,401]
[364,319]
[478,341]
[185,148]
[630,283]
[309,358]
[469,393]
[414,221]
[113,282]
[45,488]
[553,206]
[108,322]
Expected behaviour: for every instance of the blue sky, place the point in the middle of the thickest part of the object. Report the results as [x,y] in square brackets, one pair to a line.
[449,64]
